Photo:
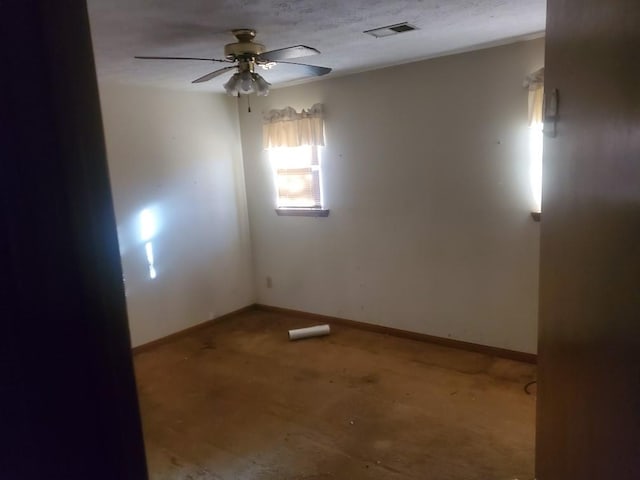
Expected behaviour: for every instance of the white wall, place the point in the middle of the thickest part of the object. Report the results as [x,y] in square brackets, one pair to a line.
[426,176]
[178,154]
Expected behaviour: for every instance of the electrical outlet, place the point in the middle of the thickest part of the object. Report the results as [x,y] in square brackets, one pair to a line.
[269,282]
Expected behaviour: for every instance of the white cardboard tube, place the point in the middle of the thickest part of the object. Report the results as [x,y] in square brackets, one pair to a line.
[317,331]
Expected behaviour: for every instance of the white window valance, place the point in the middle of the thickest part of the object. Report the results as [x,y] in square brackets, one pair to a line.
[288,128]
[535,84]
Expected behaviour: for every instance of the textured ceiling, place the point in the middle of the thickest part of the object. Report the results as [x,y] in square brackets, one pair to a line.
[201,28]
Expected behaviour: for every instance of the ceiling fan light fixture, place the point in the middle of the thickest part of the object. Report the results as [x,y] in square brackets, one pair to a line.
[246,81]
[261,85]
[233,85]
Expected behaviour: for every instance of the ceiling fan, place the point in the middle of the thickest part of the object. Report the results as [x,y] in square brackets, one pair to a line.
[245,55]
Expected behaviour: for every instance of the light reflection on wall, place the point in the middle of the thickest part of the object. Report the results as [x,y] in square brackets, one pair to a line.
[148,229]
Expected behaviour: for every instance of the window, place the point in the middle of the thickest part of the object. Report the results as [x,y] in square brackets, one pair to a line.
[535,84]
[294,140]
[535,166]
[297,179]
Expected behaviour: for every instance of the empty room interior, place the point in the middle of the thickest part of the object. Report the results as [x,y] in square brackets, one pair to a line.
[370,166]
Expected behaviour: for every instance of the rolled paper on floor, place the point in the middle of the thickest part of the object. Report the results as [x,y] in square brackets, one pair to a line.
[317,331]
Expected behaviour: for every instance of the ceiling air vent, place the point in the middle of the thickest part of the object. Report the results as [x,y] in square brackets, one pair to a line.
[390,30]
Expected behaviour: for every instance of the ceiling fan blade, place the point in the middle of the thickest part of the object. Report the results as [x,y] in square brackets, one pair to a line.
[313,70]
[296,51]
[209,76]
[182,58]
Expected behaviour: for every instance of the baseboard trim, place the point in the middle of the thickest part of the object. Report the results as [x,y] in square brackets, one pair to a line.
[396,332]
[182,333]
[447,342]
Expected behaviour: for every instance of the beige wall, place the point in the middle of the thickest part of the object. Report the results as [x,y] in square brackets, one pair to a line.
[178,155]
[426,176]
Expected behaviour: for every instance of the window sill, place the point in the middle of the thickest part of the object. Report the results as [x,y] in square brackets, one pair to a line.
[302,212]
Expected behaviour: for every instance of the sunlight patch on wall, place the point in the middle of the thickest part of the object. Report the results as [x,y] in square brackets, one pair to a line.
[148,224]
[148,230]
[150,261]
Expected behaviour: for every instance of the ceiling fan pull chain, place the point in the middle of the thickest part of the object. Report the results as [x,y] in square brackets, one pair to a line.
[249,103]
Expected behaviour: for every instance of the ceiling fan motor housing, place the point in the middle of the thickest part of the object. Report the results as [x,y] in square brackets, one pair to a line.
[245,46]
